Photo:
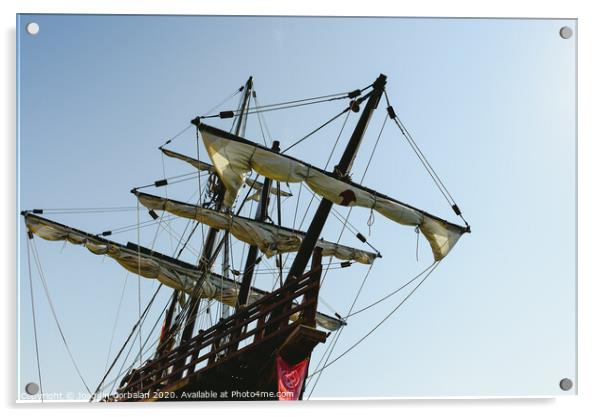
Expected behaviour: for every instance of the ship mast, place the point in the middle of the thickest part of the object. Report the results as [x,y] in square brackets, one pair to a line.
[341,170]
[205,261]
[261,215]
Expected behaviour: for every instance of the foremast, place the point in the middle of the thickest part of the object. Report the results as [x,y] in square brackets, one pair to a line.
[208,256]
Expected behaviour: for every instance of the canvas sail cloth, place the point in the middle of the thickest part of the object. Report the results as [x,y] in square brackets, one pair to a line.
[171,272]
[234,157]
[204,166]
[269,238]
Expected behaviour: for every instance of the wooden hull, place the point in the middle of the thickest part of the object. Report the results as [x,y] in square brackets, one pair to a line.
[249,376]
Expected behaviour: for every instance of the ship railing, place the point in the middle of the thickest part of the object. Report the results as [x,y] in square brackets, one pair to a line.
[250,325]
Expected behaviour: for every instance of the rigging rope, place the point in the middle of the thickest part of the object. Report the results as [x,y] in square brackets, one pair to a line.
[141,319]
[331,347]
[341,330]
[313,195]
[198,286]
[164,176]
[177,135]
[148,306]
[264,122]
[332,119]
[84,210]
[377,325]
[259,121]
[336,142]
[120,372]
[426,164]
[35,328]
[132,332]
[166,181]
[116,320]
[283,103]
[146,223]
[265,109]
[52,309]
[198,157]
[141,316]
[139,278]
[242,98]
[300,102]
[238,91]
[337,214]
[188,126]
[427,270]
[139,323]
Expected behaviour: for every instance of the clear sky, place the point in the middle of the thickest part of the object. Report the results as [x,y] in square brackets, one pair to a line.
[491,103]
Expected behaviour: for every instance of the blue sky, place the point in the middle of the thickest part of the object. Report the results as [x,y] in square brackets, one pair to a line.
[491,103]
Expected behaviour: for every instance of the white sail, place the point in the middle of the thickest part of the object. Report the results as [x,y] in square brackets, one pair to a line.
[269,238]
[233,158]
[171,272]
[204,166]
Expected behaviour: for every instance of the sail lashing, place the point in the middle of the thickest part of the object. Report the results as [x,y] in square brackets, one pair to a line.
[149,264]
[234,158]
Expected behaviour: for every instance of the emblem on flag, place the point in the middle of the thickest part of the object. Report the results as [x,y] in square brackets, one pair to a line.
[290,379]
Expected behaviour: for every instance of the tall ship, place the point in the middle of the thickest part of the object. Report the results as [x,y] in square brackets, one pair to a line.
[260,347]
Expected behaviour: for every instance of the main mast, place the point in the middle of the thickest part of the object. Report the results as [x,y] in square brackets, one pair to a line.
[341,170]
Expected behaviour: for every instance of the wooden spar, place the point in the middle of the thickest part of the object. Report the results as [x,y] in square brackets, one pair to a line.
[260,215]
[341,170]
[207,255]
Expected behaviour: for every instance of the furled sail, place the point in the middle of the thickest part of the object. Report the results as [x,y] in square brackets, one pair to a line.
[171,272]
[200,165]
[204,166]
[257,185]
[269,238]
[234,157]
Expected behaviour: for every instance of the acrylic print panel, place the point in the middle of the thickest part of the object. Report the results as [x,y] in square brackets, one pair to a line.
[485,121]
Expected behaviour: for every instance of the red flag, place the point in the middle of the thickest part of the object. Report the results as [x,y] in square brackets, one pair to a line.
[290,379]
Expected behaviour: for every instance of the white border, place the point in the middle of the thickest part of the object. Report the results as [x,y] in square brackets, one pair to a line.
[590,348]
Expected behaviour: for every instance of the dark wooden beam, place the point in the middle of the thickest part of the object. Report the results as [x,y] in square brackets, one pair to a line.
[341,170]
[260,215]
[208,248]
